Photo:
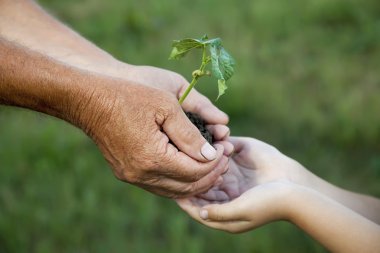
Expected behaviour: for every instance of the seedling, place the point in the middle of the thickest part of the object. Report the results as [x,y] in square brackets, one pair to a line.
[222,67]
[222,64]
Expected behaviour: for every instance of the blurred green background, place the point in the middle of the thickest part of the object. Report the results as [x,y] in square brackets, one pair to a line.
[307,81]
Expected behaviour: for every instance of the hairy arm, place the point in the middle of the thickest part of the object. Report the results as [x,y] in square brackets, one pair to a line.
[30,80]
[131,124]
[24,22]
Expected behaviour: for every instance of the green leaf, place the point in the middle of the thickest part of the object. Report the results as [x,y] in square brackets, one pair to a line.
[226,63]
[182,47]
[214,51]
[222,66]
[221,87]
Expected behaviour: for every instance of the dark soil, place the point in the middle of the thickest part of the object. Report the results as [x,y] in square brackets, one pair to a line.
[201,125]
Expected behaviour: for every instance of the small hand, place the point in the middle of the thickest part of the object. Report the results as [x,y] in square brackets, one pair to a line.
[253,163]
[255,207]
[252,192]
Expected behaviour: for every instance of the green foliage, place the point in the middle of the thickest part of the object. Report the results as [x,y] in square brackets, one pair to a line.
[307,83]
[182,47]
[222,66]
[222,62]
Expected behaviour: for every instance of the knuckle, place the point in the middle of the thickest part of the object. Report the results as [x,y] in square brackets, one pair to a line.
[217,215]
[166,109]
[197,175]
[151,166]
[127,176]
[187,190]
[194,187]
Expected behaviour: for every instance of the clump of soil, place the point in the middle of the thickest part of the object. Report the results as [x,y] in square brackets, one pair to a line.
[201,125]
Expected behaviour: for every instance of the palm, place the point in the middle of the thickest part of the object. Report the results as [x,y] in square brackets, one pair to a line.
[251,166]
[236,181]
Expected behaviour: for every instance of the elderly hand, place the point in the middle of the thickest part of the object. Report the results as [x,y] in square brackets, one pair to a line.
[148,140]
[176,84]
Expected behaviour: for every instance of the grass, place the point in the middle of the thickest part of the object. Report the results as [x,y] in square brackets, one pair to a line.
[307,81]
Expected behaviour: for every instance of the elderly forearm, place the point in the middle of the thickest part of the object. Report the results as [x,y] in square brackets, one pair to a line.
[335,226]
[31,80]
[24,22]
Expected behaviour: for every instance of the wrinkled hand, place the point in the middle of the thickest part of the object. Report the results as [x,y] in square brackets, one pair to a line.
[195,102]
[132,125]
[253,192]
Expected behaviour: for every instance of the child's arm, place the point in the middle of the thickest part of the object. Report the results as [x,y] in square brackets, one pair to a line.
[270,164]
[335,226]
[263,185]
[365,205]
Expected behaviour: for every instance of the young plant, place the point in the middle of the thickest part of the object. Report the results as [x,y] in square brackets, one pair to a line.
[222,67]
[222,64]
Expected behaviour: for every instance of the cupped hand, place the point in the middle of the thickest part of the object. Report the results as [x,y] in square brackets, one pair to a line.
[253,163]
[253,191]
[255,207]
[195,102]
[148,140]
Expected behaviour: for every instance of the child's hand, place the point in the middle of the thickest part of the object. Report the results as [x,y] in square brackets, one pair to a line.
[254,163]
[262,185]
[257,184]
[255,207]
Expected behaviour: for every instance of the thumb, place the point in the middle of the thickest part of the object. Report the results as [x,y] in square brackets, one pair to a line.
[186,136]
[221,212]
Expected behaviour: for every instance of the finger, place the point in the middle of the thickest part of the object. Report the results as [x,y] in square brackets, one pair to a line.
[232,226]
[230,211]
[187,137]
[219,132]
[201,105]
[228,147]
[209,180]
[181,167]
[215,195]
[175,188]
[242,143]
[238,142]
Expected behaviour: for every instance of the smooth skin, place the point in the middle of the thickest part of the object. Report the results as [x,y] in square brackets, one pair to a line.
[262,185]
[131,112]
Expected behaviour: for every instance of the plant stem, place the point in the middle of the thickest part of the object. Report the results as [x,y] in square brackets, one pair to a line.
[187,91]
[195,77]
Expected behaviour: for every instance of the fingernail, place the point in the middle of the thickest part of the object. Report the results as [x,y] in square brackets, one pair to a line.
[208,151]
[204,214]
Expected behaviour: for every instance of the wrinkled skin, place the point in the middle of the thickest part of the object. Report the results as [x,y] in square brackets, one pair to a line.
[130,111]
[132,125]
[195,102]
